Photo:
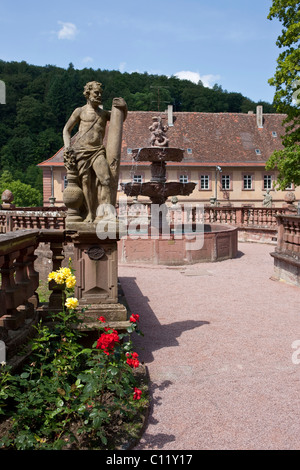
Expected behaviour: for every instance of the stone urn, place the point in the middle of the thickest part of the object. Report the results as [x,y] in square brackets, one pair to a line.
[73,197]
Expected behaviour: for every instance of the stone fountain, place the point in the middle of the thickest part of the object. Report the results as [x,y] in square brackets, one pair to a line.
[213,241]
[158,154]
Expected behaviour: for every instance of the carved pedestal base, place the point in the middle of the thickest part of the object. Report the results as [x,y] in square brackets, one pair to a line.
[96,270]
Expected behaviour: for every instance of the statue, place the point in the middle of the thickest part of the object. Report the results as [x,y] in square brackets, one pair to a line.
[267,202]
[92,169]
[158,137]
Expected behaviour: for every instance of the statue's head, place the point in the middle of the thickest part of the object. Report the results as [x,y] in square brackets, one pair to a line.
[93,91]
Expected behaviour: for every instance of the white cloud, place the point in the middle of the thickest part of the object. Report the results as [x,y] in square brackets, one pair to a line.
[122,67]
[67,30]
[87,60]
[208,80]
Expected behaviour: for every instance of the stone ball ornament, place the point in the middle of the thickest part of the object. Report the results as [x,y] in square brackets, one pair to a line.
[7,196]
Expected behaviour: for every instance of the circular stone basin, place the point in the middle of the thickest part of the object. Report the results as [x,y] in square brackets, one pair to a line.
[217,242]
[154,189]
[158,154]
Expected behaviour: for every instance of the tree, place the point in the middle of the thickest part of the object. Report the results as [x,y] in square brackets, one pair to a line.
[287,91]
[24,194]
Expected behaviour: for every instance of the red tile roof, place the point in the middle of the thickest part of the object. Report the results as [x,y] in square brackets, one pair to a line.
[230,139]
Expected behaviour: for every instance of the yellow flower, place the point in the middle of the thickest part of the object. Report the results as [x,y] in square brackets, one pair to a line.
[52,276]
[65,272]
[59,279]
[71,302]
[70,282]
[63,275]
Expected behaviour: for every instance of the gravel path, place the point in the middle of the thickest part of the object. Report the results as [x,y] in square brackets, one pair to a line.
[218,346]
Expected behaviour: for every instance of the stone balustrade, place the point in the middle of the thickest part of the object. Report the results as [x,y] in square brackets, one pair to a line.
[19,302]
[289,235]
[287,252]
[32,218]
[54,218]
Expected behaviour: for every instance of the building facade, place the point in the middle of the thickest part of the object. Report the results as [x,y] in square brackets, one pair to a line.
[224,154]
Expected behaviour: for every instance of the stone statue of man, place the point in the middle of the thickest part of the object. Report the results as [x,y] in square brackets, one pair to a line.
[267,201]
[88,151]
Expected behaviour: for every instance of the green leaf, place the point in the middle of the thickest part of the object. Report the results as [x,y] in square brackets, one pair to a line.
[24,375]
[113,370]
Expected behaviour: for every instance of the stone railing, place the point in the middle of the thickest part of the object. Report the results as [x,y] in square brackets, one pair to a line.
[289,235]
[32,218]
[19,302]
[244,216]
[258,222]
[287,252]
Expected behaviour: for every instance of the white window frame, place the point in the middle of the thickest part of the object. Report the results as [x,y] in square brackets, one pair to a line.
[225,182]
[268,182]
[183,179]
[248,181]
[204,182]
[137,178]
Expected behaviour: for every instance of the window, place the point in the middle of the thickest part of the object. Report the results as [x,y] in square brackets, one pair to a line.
[274,134]
[129,151]
[189,151]
[226,182]
[137,178]
[289,187]
[258,152]
[267,182]
[183,179]
[248,181]
[204,182]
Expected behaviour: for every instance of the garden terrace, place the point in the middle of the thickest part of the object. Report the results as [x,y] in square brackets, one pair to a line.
[19,264]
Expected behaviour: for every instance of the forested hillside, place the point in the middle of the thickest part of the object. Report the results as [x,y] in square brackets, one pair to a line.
[39,100]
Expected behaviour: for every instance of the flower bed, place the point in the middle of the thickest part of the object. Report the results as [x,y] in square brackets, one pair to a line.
[69,396]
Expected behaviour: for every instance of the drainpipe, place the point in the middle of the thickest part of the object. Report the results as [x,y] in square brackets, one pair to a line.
[52,182]
[218,170]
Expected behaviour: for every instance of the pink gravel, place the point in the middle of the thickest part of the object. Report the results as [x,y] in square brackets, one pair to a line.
[218,347]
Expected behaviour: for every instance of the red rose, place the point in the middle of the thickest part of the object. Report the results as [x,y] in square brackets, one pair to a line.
[102,319]
[133,361]
[134,318]
[137,394]
[107,341]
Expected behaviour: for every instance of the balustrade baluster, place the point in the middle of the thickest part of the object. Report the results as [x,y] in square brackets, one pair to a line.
[14,296]
[286,234]
[297,237]
[250,216]
[245,216]
[255,217]
[56,297]
[2,291]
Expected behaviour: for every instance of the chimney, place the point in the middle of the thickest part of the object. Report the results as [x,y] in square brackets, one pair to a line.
[259,117]
[170,115]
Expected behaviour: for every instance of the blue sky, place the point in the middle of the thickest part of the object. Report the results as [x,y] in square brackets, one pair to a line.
[228,42]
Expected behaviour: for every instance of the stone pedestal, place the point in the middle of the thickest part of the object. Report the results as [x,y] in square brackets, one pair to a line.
[96,270]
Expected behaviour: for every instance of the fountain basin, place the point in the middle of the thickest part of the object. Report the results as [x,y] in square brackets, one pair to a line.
[158,190]
[220,242]
[158,154]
